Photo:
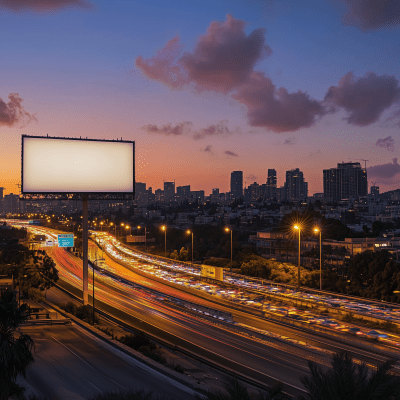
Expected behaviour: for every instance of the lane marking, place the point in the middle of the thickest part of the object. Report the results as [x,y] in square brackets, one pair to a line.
[88,364]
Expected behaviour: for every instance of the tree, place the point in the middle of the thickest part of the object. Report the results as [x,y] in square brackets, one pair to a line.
[15,353]
[348,380]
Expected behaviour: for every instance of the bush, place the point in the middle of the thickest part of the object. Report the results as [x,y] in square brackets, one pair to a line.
[35,295]
[85,313]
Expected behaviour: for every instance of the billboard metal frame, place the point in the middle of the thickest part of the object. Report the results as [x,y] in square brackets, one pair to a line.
[46,196]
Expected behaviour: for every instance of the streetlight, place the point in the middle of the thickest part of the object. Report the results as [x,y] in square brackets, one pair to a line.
[145,237]
[318,230]
[101,224]
[115,229]
[191,232]
[122,224]
[230,230]
[297,227]
[164,228]
[94,262]
[128,227]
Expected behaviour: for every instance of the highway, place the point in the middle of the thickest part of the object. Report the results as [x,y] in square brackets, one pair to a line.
[226,344]
[72,364]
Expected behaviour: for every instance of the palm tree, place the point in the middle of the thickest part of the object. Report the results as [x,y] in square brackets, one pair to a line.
[15,353]
[347,380]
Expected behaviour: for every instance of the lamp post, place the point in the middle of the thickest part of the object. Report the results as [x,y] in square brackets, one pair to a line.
[191,232]
[297,227]
[164,228]
[115,228]
[230,230]
[318,230]
[101,224]
[122,224]
[145,237]
[94,262]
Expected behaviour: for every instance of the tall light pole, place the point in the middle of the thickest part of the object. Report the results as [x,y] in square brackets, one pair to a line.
[191,232]
[115,228]
[164,228]
[230,230]
[101,224]
[122,224]
[145,237]
[130,231]
[94,262]
[297,227]
[318,230]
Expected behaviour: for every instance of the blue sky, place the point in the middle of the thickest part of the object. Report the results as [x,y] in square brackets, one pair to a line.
[74,67]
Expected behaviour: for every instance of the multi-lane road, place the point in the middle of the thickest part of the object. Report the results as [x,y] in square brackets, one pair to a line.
[72,364]
[255,346]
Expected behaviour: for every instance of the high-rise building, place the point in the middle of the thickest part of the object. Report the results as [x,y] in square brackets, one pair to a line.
[271,185]
[237,184]
[348,180]
[296,187]
[183,192]
[140,190]
[169,191]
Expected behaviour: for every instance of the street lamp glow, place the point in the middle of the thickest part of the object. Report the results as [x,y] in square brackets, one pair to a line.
[298,228]
[164,228]
[318,230]
[230,230]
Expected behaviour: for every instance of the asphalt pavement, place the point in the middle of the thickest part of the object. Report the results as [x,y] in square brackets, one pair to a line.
[73,364]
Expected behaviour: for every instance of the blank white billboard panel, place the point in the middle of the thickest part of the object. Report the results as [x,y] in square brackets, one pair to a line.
[59,165]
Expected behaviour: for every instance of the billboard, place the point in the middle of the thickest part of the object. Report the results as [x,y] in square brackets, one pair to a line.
[52,165]
[66,240]
[209,271]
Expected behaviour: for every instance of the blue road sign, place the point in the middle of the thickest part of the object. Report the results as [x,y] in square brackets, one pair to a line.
[66,240]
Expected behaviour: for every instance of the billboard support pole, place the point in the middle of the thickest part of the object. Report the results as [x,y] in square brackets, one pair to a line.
[85,239]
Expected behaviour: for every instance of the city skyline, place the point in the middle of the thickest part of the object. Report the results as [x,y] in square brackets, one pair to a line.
[152,74]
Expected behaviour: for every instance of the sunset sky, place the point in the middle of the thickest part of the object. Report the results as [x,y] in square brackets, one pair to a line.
[206,88]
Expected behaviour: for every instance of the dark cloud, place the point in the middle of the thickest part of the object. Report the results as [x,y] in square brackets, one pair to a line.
[177,130]
[231,153]
[364,99]
[13,113]
[387,143]
[372,14]
[212,130]
[223,61]
[223,58]
[207,149]
[290,141]
[42,5]
[385,170]
[277,109]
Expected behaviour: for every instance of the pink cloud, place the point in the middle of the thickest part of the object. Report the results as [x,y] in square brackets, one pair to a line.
[174,130]
[212,130]
[277,109]
[372,14]
[364,99]
[223,58]
[42,5]
[164,66]
[13,113]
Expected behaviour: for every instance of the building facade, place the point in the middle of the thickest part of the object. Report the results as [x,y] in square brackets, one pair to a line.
[237,184]
[296,187]
[346,181]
